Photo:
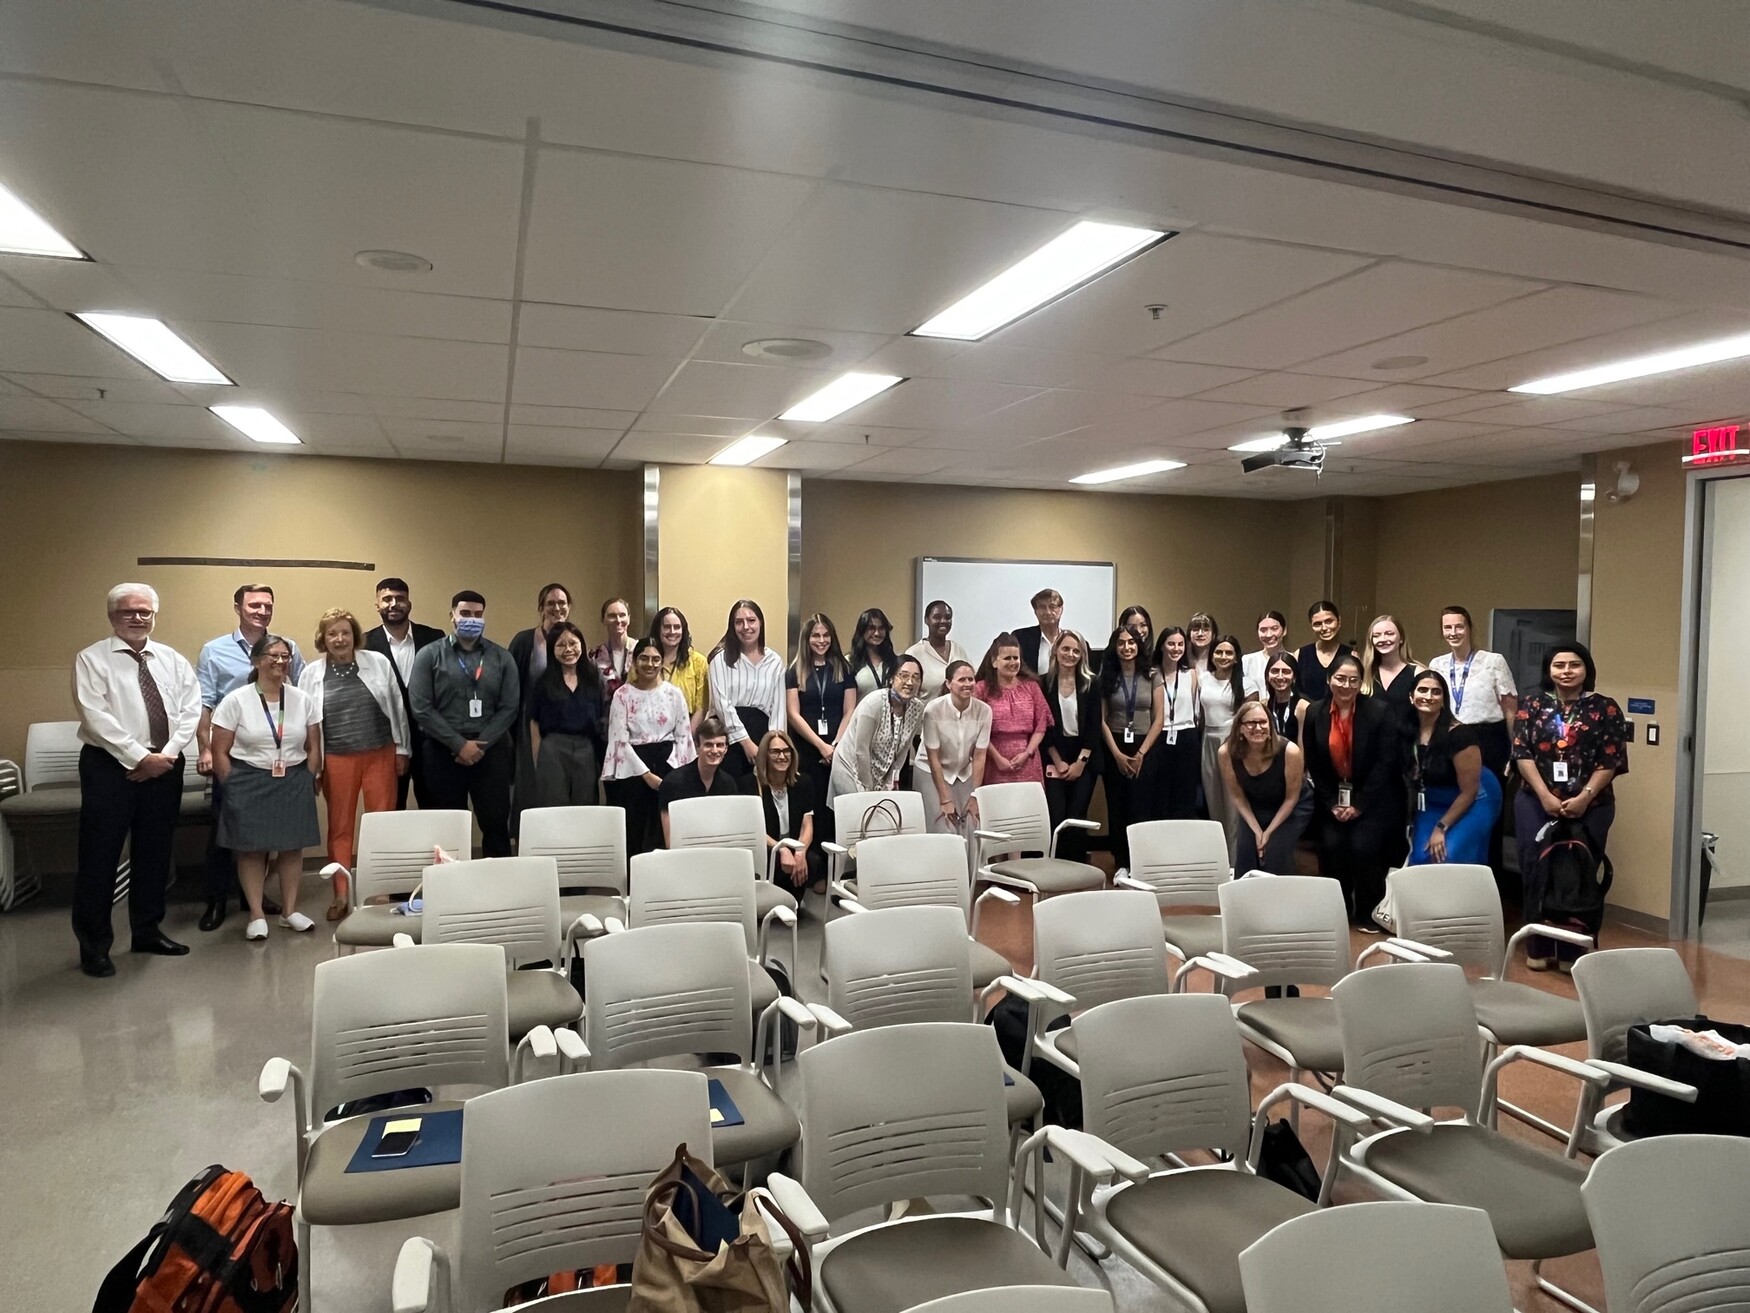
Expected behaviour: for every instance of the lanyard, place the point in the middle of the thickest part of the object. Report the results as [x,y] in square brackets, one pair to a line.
[475,673]
[279,730]
[1458,679]
[1129,688]
[1281,721]
[1561,727]
[1173,698]
[821,695]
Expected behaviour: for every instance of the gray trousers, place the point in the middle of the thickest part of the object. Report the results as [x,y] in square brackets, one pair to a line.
[567,772]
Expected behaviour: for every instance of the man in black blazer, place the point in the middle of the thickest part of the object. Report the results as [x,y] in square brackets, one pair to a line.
[1048,609]
[399,638]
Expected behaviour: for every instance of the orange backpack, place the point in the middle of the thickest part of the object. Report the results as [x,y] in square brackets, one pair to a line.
[219,1248]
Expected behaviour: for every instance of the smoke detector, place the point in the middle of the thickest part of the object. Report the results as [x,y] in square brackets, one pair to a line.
[785,348]
[394,262]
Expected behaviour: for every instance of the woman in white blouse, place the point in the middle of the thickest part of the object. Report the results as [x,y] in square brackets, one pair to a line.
[649,734]
[747,686]
[956,735]
[1219,693]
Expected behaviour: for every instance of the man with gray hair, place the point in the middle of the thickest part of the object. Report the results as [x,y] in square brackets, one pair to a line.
[139,705]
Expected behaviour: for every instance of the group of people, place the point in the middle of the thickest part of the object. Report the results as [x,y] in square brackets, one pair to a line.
[1384,759]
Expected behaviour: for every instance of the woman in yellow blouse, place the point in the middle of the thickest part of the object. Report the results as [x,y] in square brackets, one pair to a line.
[682,665]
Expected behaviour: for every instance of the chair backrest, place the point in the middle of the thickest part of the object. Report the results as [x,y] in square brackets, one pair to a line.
[1623,987]
[899,965]
[849,811]
[396,847]
[509,901]
[1378,1258]
[1154,1098]
[904,1112]
[1185,861]
[696,884]
[51,754]
[1410,1033]
[1021,1299]
[1671,1217]
[1017,810]
[726,822]
[534,1204]
[408,1017]
[665,991]
[1100,945]
[589,843]
[1451,906]
[1292,929]
[914,870]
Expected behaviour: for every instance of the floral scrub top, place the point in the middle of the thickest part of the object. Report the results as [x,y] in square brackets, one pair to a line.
[1591,735]
[646,715]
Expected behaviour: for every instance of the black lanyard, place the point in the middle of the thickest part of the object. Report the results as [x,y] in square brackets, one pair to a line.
[279,730]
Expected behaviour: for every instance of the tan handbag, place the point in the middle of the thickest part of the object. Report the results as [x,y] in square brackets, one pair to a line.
[887,810]
[673,1274]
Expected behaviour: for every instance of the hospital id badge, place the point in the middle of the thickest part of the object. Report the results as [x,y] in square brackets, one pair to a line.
[278,768]
[476,708]
[1558,772]
[1129,736]
[1345,795]
[1421,800]
[820,727]
[1172,737]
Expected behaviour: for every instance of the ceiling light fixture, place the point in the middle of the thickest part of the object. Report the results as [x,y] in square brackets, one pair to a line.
[1129,471]
[1663,362]
[25,232]
[151,342]
[1328,434]
[1060,266]
[745,451]
[838,396]
[256,424]
[393,262]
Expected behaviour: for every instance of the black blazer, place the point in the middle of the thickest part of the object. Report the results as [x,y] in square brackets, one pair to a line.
[1377,757]
[801,803]
[1028,637]
[377,640]
[1089,713]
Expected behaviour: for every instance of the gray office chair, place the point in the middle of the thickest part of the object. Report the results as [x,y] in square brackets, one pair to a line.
[589,844]
[394,849]
[1378,1258]
[918,870]
[1013,818]
[1183,864]
[1619,988]
[1672,1219]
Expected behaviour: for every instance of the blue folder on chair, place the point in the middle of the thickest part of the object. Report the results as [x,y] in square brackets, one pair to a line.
[439,1142]
[723,1110]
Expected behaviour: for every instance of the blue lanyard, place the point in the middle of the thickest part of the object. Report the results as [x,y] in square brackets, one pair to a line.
[823,686]
[472,674]
[1129,698]
[1458,679]
[279,730]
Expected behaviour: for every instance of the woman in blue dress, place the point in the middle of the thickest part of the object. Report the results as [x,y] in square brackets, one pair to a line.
[1455,799]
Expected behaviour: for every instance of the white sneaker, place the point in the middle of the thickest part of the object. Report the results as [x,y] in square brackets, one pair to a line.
[256,929]
[297,921]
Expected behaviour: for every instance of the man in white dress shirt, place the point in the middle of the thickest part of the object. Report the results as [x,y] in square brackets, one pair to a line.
[139,706]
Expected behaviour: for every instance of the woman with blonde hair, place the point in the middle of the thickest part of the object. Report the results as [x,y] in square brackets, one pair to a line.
[788,800]
[1388,670]
[1262,773]
[362,731]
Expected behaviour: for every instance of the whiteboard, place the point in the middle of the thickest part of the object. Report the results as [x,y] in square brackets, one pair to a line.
[991,596]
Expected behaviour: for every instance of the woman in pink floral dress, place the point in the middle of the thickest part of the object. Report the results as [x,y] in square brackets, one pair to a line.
[1019,716]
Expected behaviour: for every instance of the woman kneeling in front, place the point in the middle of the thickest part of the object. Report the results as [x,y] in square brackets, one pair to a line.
[267,753]
[1456,798]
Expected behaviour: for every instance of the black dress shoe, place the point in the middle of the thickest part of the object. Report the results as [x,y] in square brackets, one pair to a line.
[160,943]
[213,917]
[96,964]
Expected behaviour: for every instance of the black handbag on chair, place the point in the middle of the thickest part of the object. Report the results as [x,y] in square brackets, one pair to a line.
[1722,1103]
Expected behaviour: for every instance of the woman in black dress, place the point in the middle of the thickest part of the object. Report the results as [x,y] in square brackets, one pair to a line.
[1072,748]
[788,798]
[1263,772]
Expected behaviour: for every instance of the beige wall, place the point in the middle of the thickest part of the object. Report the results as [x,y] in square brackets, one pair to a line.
[75,519]
[709,558]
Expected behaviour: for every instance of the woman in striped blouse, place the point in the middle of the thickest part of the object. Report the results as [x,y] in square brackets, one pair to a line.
[747,686]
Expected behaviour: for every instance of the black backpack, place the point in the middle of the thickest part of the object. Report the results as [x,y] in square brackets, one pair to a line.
[1575,876]
[1061,1091]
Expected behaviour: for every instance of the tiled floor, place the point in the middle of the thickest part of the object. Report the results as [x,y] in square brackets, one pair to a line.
[113,1093]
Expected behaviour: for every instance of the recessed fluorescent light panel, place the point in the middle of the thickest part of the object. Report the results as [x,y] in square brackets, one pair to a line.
[840,395]
[256,424]
[1328,433]
[25,232]
[1129,471]
[1063,264]
[1703,353]
[151,342]
[746,451]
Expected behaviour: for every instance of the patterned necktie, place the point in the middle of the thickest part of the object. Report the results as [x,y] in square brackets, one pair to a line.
[157,719]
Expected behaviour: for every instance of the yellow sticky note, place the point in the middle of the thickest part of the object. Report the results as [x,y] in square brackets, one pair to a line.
[715,1116]
[404,1124]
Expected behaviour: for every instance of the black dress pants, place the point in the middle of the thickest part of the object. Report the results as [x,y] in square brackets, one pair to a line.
[113,811]
[451,786]
[414,779]
[1358,853]
[1178,776]
[1069,800]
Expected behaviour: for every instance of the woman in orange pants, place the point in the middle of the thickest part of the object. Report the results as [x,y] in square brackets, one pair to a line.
[364,733]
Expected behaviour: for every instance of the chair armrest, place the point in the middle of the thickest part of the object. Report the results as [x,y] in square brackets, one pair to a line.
[1428,951]
[573,1052]
[419,1261]
[1036,991]
[1556,932]
[271,1085]
[1622,1074]
[782,916]
[1095,1156]
[1218,964]
[995,836]
[401,939]
[835,850]
[1131,882]
[1335,1109]
[765,1041]
[612,925]
[539,1043]
[1389,948]
[830,1021]
[1068,823]
[999,894]
[1579,1070]
[851,905]
[586,926]
[333,869]
[797,1206]
[791,843]
[1381,1109]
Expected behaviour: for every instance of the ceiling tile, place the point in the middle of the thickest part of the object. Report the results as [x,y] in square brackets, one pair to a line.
[484,412]
[751,392]
[404,429]
[36,414]
[906,461]
[1058,411]
[624,332]
[816,457]
[1152,378]
[48,342]
[724,339]
[533,442]
[1288,391]
[590,379]
[1523,411]
[152,423]
[261,356]
[679,449]
[70,387]
[573,417]
[711,426]
[922,403]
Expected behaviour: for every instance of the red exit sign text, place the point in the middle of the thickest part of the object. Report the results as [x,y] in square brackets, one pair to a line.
[1716,446]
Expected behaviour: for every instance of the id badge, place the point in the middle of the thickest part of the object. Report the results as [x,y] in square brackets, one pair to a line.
[1171,736]
[1345,795]
[1558,772]
[278,768]
[820,727]
[476,708]
[1421,800]
[1129,736]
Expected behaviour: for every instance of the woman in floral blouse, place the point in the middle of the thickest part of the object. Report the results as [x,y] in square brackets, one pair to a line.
[1569,743]
[649,734]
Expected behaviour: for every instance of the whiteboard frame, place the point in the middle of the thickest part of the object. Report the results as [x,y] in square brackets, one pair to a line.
[922,601]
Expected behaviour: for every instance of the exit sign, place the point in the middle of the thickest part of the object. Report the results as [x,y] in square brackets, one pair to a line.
[1719,444]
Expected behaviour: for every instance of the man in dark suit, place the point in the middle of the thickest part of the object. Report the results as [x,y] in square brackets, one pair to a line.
[1048,609]
[399,638]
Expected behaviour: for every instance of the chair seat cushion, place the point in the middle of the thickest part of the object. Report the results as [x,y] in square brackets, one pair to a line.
[332,1196]
[1305,1027]
[888,1269]
[767,895]
[1023,1098]
[1051,875]
[195,806]
[600,906]
[1531,1197]
[1064,1038]
[47,804]
[375,926]
[1195,1223]
[1524,1014]
[762,988]
[540,998]
[769,1128]
[987,964]
[1193,935]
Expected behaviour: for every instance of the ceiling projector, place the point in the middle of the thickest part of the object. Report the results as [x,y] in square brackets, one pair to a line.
[1298,452]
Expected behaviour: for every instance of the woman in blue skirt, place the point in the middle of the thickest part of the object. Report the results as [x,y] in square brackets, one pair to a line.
[1455,799]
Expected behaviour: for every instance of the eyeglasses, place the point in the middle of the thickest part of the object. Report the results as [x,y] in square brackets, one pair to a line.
[780,752]
[278,659]
[1344,681]
[126,614]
